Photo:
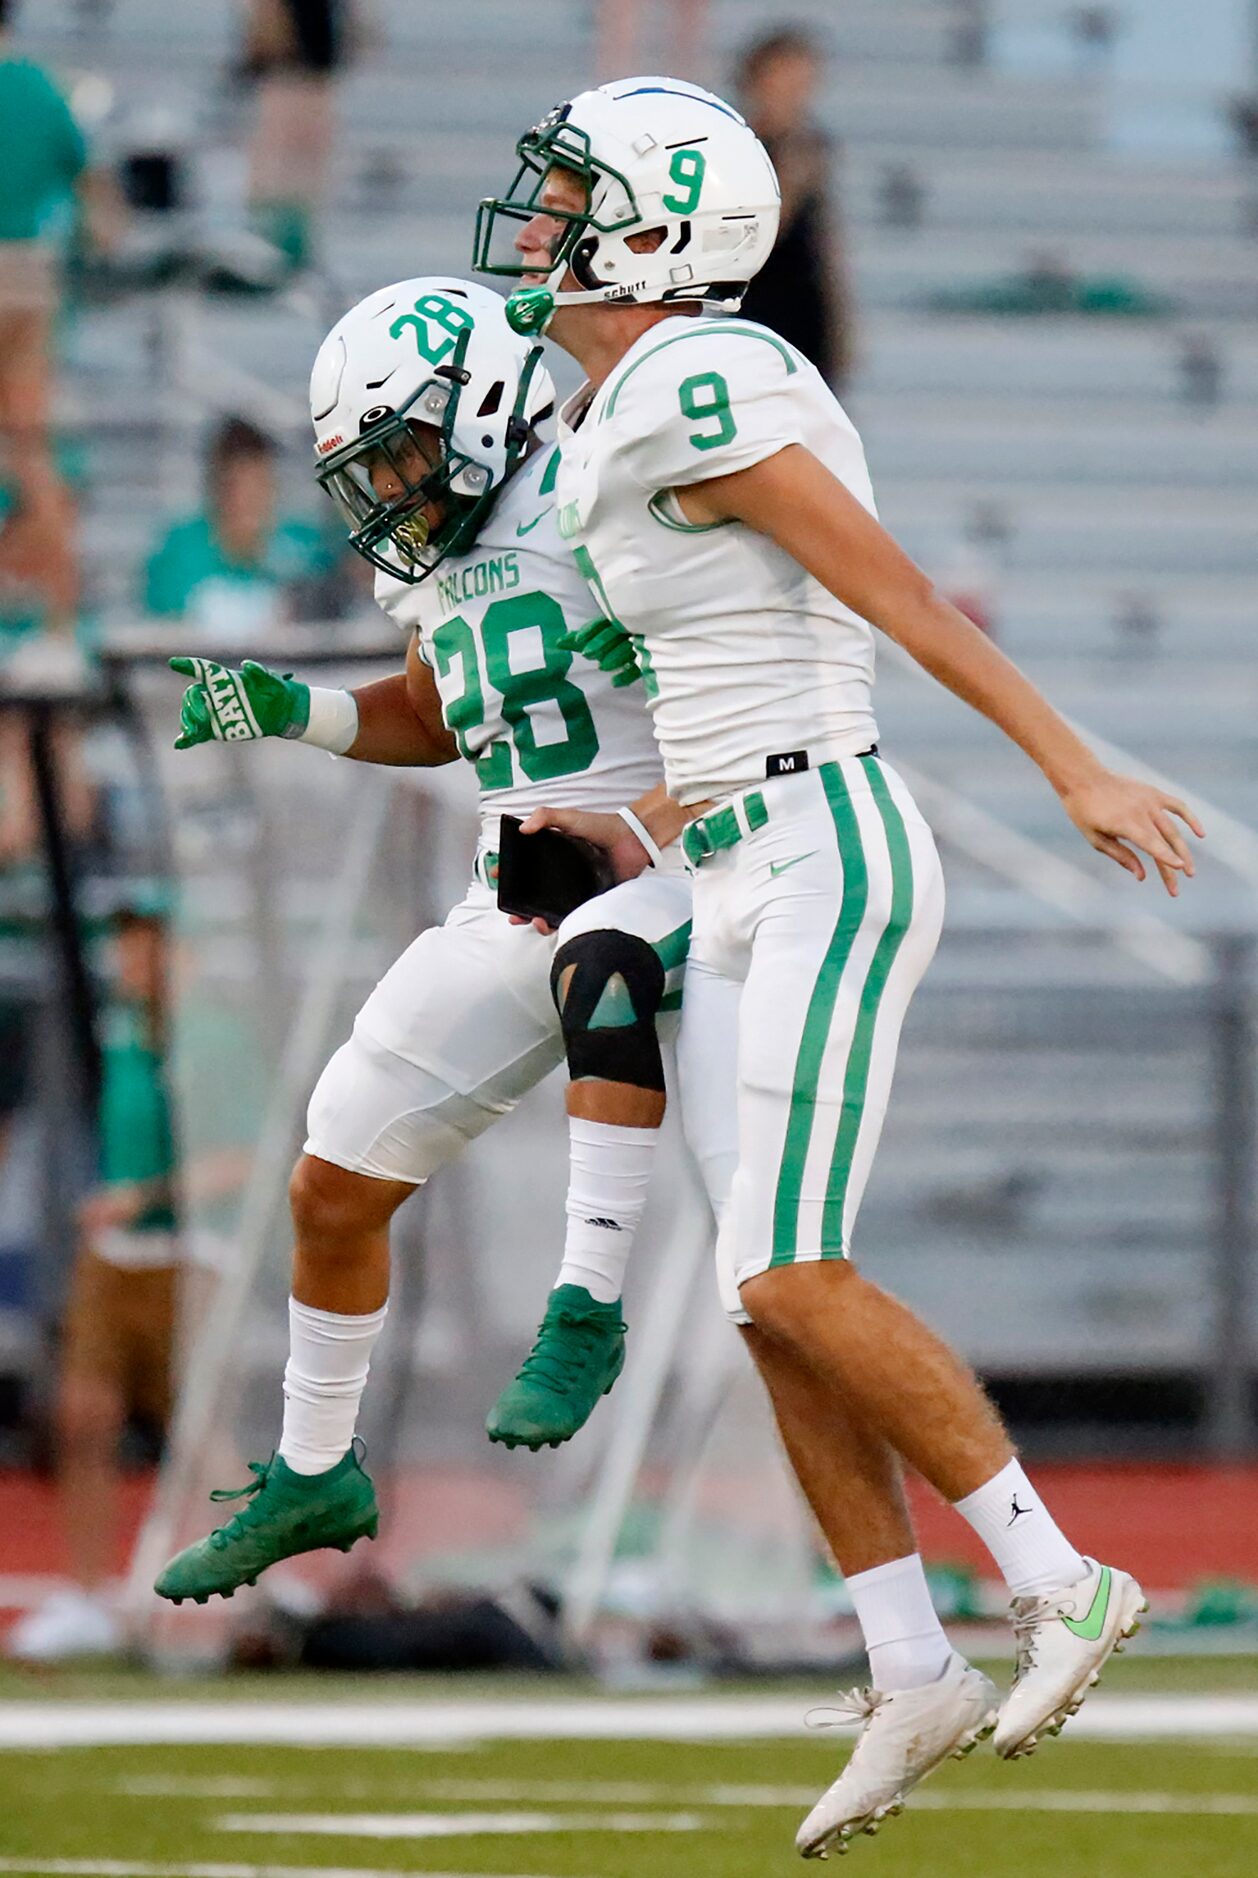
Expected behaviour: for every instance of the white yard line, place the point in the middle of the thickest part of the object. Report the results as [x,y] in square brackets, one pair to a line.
[38,1724]
[135,1868]
[646,1793]
[1064,1801]
[200,1787]
[442,1825]
[453,1825]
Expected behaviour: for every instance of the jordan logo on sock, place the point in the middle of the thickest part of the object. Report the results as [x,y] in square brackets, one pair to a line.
[1018,1511]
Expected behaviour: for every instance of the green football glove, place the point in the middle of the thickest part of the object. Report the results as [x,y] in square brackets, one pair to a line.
[606,642]
[228,706]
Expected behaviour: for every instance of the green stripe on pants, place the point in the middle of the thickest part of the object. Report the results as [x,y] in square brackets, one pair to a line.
[857,1079]
[799,1123]
[671,950]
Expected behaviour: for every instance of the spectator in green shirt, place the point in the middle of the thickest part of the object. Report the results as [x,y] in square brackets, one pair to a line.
[231,570]
[43,168]
[43,162]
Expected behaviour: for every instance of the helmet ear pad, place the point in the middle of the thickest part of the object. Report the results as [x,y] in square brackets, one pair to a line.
[584,252]
[581,261]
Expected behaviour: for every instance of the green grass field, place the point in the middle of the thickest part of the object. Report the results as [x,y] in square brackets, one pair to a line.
[611,1809]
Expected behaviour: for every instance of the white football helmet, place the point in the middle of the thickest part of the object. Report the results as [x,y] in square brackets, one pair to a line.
[431,352]
[652,153]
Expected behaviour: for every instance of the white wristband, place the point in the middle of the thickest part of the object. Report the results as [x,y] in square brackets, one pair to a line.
[654,856]
[333,721]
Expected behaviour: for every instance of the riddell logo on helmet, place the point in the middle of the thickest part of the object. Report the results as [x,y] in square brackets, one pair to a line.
[329,443]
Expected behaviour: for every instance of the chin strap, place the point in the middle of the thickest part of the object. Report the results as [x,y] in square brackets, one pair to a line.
[531,309]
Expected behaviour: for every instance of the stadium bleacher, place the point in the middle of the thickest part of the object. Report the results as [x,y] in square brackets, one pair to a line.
[1079,430]
[1108,480]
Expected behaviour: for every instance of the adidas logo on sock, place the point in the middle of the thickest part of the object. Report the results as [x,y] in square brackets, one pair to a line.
[608,1225]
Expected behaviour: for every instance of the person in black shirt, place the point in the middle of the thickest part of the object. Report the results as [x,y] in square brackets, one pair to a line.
[801,292]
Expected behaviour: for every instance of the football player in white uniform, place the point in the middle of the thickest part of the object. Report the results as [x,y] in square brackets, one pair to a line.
[718,501]
[448,488]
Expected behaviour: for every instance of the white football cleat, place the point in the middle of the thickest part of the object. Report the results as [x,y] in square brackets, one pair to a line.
[905,1736]
[69,1623]
[1064,1641]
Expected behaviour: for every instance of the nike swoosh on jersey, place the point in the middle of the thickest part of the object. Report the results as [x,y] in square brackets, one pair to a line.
[524,528]
[780,867]
[1091,1626]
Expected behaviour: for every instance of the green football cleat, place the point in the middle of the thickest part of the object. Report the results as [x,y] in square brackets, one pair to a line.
[286,1513]
[579,1353]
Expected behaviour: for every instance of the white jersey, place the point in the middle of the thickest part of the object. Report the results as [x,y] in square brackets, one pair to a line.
[745,655]
[540,724]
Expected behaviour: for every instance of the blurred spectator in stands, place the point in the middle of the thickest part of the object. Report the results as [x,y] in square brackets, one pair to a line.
[18,827]
[1050,284]
[901,197]
[39,576]
[1244,115]
[116,1359]
[293,51]
[1200,371]
[969,33]
[620,52]
[1137,623]
[43,165]
[1095,28]
[15,1037]
[17,844]
[39,603]
[19,835]
[232,570]
[40,588]
[801,292]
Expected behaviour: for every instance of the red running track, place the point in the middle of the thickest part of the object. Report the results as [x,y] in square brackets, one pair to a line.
[1171,1525]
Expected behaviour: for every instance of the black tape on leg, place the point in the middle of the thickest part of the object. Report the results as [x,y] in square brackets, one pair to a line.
[608,988]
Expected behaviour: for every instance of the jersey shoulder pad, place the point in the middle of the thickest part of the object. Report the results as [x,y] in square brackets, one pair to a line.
[402,601]
[526,499]
[706,403]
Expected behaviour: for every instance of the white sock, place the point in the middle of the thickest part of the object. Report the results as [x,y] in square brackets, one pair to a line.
[324,1379]
[1033,1554]
[608,1176]
[903,1635]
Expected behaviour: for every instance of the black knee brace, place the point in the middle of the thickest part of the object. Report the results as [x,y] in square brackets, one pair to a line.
[608,987]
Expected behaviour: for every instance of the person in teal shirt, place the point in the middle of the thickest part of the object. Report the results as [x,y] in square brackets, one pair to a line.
[231,570]
[42,150]
[43,162]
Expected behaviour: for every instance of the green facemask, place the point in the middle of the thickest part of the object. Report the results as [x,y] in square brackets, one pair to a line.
[553,144]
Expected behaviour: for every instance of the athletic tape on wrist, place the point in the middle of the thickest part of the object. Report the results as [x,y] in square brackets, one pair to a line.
[654,854]
[333,721]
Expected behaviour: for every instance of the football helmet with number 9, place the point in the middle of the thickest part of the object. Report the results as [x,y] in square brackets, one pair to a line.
[653,153]
[437,353]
